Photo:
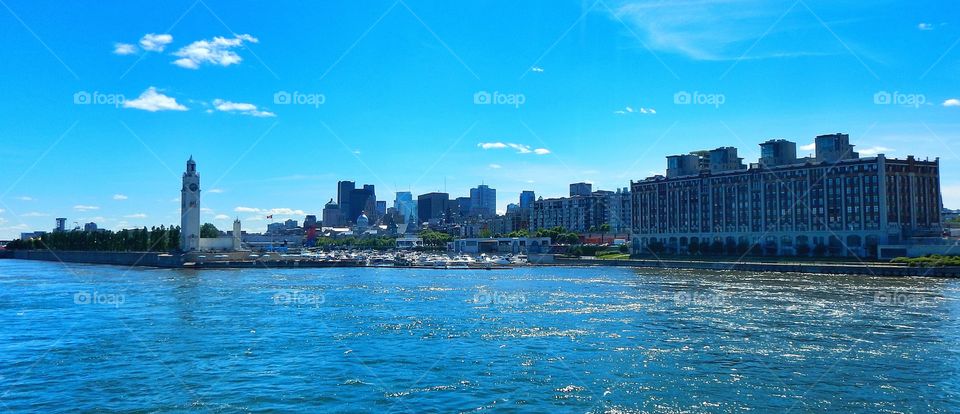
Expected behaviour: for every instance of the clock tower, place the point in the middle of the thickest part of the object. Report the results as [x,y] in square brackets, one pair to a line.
[190,209]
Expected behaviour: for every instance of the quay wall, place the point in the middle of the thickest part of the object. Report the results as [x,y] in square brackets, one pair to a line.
[150,259]
[876,269]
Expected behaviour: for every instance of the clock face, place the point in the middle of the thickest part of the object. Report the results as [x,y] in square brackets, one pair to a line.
[193,187]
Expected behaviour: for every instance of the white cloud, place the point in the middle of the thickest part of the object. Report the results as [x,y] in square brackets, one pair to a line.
[492,145]
[124,49]
[631,110]
[25,198]
[2,211]
[153,101]
[34,214]
[286,212]
[221,217]
[136,216]
[520,148]
[81,207]
[869,151]
[536,69]
[278,211]
[243,108]
[951,102]
[809,147]
[119,197]
[155,42]
[215,191]
[494,166]
[216,51]
[925,26]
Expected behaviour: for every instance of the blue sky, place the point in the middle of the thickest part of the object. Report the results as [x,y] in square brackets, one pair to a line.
[104,101]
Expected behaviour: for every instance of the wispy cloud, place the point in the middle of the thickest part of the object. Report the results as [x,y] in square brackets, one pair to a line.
[25,198]
[120,197]
[520,148]
[536,69]
[725,29]
[808,147]
[242,108]
[35,214]
[221,217]
[136,216]
[951,102]
[81,207]
[870,151]
[494,166]
[216,51]
[153,101]
[215,191]
[630,110]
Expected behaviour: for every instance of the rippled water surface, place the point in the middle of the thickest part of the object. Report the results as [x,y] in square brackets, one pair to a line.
[584,340]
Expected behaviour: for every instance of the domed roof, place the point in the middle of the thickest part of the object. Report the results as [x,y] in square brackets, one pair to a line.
[363,220]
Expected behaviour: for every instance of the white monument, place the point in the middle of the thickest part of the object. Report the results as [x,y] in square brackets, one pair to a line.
[190,209]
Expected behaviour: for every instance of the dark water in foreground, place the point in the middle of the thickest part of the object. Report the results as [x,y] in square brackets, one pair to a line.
[582,340]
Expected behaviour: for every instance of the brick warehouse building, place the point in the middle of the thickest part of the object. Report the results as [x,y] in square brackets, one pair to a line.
[833,203]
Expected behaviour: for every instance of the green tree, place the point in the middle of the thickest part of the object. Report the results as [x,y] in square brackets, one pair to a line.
[604,229]
[519,233]
[208,230]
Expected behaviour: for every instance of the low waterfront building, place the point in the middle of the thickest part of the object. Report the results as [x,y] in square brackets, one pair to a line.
[501,245]
[409,242]
[835,203]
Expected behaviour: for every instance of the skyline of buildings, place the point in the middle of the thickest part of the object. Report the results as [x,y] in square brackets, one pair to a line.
[784,203]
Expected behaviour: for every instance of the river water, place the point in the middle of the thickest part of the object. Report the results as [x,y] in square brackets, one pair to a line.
[84,338]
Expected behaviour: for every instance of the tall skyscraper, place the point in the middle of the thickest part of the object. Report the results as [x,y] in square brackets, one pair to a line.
[406,207]
[527,198]
[344,190]
[355,201]
[190,208]
[433,206]
[483,201]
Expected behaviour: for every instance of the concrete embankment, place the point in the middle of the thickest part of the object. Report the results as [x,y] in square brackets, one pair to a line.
[868,269]
[109,258]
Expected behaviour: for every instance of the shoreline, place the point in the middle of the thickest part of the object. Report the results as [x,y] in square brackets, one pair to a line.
[189,261]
